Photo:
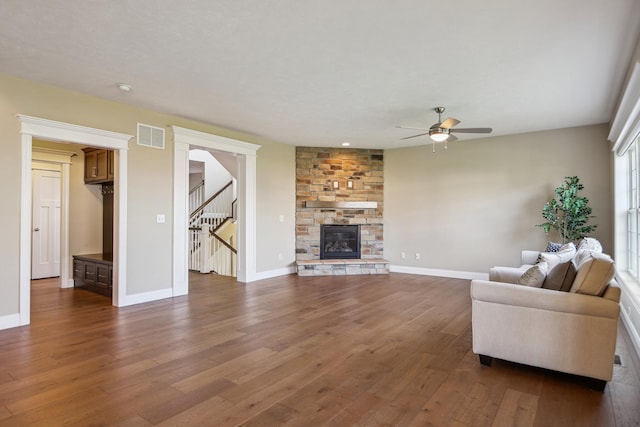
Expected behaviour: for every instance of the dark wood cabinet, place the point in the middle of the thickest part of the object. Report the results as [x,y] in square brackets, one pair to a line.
[110,166]
[93,272]
[98,165]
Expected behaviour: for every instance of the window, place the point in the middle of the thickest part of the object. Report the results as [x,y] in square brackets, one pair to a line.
[633,210]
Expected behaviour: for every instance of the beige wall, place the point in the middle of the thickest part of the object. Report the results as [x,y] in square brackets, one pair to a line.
[150,189]
[276,196]
[476,205]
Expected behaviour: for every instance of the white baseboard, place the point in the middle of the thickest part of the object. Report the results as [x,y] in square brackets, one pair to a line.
[10,321]
[275,273]
[469,275]
[147,297]
[69,284]
[634,334]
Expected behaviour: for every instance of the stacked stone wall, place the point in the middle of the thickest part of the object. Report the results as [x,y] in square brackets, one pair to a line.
[360,178]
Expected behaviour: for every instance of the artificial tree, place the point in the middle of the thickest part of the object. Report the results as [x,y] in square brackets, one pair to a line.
[567,212]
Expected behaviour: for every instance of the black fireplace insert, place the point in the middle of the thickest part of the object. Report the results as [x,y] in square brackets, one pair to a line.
[340,241]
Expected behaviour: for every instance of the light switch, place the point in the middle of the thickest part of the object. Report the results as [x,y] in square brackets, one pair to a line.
[281,218]
[160,219]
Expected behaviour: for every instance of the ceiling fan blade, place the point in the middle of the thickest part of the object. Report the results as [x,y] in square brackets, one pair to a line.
[452,138]
[473,130]
[414,136]
[449,123]
[408,127]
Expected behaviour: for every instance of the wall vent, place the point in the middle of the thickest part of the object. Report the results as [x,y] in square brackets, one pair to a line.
[150,136]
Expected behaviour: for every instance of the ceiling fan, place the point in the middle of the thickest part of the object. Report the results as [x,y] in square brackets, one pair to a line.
[442,131]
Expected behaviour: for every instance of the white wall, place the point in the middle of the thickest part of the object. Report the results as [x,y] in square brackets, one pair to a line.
[216,175]
[476,205]
[195,179]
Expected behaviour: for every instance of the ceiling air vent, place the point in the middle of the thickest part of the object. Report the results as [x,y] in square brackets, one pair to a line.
[150,136]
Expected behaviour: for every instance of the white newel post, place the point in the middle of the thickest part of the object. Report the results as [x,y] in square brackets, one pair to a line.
[205,249]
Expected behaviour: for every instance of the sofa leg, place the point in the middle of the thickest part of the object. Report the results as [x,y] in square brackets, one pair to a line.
[485,360]
[597,385]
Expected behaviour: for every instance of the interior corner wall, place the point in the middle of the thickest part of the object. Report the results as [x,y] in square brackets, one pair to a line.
[476,205]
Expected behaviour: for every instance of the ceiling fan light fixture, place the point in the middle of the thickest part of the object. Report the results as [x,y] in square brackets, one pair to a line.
[439,135]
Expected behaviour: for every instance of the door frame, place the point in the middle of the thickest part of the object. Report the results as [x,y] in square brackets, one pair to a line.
[245,152]
[34,127]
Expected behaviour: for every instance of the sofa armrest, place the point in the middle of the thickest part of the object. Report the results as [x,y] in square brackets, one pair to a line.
[543,299]
[530,257]
[506,274]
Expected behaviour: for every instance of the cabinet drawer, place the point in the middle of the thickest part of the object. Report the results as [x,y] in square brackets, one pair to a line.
[102,275]
[89,272]
[78,269]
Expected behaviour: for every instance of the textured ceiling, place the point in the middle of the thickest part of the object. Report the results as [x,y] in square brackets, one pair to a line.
[320,73]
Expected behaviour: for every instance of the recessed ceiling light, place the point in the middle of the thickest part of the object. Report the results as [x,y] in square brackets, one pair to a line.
[346,144]
[124,87]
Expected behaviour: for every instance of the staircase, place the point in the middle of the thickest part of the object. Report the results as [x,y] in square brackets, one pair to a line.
[212,231]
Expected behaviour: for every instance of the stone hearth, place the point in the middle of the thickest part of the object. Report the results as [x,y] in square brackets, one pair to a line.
[339,186]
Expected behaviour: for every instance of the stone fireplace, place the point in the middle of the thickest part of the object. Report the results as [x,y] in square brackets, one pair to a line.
[338,187]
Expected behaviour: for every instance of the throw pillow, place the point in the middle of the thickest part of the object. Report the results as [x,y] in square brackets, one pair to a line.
[582,255]
[591,244]
[534,276]
[560,277]
[568,247]
[594,274]
[553,259]
[553,247]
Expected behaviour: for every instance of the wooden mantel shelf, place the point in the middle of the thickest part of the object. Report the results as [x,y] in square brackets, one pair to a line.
[342,205]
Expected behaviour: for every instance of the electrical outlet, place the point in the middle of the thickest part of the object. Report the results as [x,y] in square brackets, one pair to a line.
[403,255]
[417,255]
[160,219]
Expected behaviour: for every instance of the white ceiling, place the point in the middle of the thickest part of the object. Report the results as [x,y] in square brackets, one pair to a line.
[323,72]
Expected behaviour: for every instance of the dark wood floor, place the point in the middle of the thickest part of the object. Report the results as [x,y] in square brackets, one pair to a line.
[351,350]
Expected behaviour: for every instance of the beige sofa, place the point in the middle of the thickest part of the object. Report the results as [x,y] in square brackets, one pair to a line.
[570,332]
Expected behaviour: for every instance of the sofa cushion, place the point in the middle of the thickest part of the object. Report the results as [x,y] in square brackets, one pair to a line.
[561,277]
[594,274]
[535,275]
[566,253]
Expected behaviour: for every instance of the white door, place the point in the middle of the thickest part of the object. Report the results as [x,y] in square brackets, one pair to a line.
[45,242]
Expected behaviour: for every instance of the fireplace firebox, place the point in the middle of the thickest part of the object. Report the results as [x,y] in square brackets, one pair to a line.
[340,241]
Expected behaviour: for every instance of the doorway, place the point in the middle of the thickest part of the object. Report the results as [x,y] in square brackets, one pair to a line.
[245,154]
[33,127]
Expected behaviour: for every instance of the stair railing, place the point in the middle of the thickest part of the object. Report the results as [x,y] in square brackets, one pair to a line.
[207,251]
[196,196]
[215,209]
